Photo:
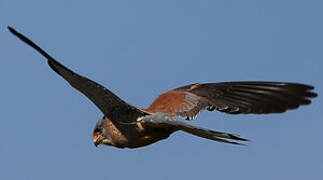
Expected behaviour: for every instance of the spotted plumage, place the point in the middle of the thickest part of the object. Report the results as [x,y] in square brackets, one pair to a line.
[126,126]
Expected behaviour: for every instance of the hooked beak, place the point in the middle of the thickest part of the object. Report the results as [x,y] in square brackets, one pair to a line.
[96,143]
[97,140]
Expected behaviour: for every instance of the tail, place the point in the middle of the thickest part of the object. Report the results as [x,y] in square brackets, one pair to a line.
[163,120]
[212,135]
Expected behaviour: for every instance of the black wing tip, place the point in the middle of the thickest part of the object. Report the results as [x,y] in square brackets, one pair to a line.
[10,28]
[18,34]
[51,62]
[308,89]
[13,31]
[311,94]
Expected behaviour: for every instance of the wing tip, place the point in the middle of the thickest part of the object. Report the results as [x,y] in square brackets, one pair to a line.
[13,31]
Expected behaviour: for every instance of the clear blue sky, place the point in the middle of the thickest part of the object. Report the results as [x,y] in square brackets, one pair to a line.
[139,49]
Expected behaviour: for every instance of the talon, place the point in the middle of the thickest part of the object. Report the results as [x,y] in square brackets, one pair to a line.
[139,119]
[140,127]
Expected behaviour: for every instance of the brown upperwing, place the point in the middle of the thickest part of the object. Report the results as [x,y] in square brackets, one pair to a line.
[233,97]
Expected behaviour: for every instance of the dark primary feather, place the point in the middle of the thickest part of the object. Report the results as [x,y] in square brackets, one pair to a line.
[248,97]
[110,104]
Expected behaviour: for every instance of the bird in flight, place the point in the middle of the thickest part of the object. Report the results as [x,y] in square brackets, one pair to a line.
[127,126]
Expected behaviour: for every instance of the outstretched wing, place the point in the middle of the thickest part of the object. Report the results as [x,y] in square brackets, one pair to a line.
[110,104]
[233,97]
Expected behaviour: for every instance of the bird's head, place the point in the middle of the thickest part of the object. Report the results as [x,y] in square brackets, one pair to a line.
[100,134]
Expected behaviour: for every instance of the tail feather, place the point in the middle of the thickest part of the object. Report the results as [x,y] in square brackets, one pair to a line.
[212,135]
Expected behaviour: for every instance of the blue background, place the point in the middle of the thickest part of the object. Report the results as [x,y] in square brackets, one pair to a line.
[139,49]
